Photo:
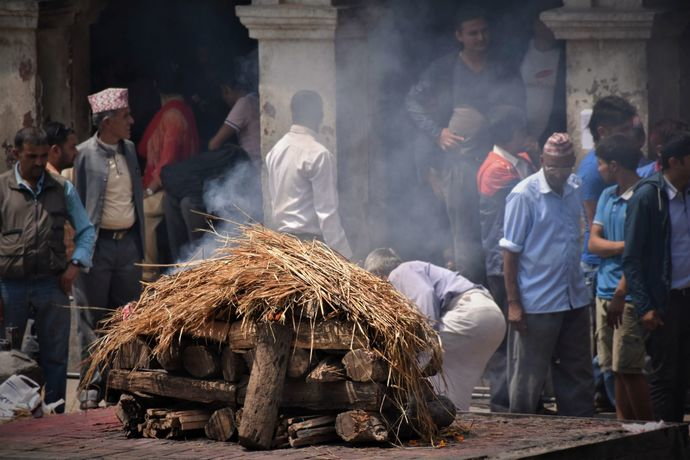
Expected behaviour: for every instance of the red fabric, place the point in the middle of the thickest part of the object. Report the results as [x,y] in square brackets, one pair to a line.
[171,136]
[496,173]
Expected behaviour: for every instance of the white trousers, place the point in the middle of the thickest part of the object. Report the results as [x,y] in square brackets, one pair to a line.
[471,330]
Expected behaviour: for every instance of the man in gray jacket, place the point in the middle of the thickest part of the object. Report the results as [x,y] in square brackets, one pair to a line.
[108,180]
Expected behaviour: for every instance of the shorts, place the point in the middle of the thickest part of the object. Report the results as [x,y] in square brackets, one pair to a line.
[622,349]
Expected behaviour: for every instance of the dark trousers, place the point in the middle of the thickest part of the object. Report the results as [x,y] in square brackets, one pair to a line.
[669,350]
[182,222]
[43,298]
[496,368]
[113,280]
[462,205]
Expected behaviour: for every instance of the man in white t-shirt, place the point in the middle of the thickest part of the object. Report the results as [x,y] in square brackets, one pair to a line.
[242,121]
[302,179]
[539,71]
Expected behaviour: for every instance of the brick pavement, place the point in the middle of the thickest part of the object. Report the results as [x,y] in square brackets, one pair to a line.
[97,434]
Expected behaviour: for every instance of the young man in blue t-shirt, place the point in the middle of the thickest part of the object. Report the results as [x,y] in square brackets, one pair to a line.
[620,337]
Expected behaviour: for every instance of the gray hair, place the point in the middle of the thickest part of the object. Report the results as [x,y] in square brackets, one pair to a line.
[97,118]
[382,261]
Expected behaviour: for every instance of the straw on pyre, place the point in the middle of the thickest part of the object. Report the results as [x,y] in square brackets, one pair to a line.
[340,324]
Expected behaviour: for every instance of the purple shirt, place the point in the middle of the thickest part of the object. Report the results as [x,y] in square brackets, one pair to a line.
[429,286]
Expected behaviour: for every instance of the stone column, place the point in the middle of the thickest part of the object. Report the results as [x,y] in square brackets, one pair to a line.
[18,20]
[609,52]
[312,44]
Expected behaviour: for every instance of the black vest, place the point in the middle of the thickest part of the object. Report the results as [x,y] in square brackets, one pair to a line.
[32,238]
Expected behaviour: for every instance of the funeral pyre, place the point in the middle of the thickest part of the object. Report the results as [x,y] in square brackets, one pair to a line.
[274,342]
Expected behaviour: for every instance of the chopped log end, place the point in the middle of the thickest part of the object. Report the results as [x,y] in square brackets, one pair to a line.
[171,358]
[358,426]
[134,355]
[200,361]
[330,369]
[222,425]
[300,363]
[363,365]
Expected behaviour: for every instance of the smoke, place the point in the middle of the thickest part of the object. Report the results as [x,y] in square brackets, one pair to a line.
[233,199]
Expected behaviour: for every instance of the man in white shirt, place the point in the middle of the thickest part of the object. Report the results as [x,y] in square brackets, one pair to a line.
[302,178]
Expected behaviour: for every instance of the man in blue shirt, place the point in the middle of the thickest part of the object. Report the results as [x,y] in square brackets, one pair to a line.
[620,337]
[469,322]
[35,273]
[547,296]
[656,263]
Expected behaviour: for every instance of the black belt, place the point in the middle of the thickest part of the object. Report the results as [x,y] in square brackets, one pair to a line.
[113,234]
[683,292]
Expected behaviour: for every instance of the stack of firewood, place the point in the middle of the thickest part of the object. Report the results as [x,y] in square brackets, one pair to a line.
[265,388]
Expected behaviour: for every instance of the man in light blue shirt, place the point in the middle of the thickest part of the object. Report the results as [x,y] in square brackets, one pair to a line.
[469,322]
[35,272]
[549,325]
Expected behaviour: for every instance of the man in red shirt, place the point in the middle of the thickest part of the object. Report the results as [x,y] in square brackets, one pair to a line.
[171,136]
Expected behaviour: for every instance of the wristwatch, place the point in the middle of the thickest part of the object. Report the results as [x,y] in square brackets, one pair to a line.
[149,192]
[76,263]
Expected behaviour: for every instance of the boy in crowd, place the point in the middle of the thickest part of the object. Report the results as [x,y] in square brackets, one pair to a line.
[656,263]
[620,337]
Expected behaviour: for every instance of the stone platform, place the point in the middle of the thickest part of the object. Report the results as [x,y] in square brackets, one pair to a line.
[97,434]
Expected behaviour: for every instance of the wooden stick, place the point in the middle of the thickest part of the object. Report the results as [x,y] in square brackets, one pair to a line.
[357,426]
[222,425]
[362,365]
[333,396]
[265,387]
[201,361]
[313,436]
[162,384]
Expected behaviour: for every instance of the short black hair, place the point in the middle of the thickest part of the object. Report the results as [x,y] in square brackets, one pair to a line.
[610,111]
[676,147]
[467,13]
[504,121]
[30,135]
[305,106]
[57,133]
[620,148]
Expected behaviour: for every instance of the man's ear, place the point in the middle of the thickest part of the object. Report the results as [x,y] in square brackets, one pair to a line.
[458,35]
[602,131]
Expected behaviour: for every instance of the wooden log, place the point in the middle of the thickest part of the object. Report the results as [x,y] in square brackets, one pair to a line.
[310,437]
[329,369]
[162,384]
[134,355]
[169,424]
[201,361]
[441,410]
[171,358]
[232,365]
[265,388]
[357,427]
[248,358]
[130,413]
[300,362]
[333,396]
[326,335]
[221,426]
[363,365]
[312,422]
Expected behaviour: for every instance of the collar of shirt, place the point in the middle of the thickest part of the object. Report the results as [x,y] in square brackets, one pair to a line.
[627,194]
[670,189]
[544,187]
[110,148]
[506,155]
[22,183]
[299,129]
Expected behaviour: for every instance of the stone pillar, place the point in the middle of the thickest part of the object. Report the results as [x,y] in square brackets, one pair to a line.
[18,20]
[311,44]
[609,52]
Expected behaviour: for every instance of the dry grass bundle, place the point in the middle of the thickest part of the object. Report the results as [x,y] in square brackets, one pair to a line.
[263,275]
